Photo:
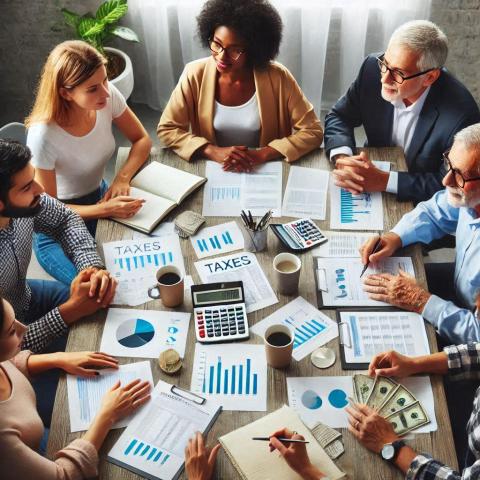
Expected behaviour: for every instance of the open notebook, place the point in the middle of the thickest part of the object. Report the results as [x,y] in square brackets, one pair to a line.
[252,458]
[163,188]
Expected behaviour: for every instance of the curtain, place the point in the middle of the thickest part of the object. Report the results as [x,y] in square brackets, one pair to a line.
[324,42]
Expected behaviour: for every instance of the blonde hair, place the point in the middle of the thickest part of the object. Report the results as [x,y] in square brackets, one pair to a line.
[68,65]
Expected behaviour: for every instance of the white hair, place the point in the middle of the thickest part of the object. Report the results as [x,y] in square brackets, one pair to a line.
[470,137]
[425,39]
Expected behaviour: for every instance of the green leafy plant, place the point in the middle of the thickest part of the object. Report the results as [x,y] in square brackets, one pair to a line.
[98,29]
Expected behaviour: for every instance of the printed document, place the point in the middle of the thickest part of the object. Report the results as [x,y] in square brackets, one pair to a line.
[223,238]
[341,244]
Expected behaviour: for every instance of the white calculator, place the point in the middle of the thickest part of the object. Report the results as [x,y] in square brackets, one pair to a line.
[219,312]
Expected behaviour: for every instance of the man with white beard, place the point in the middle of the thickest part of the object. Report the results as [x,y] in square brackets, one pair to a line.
[449,303]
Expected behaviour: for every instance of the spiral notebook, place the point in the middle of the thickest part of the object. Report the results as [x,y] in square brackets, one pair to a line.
[252,458]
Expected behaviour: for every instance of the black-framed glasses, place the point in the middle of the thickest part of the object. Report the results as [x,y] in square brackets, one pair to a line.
[397,76]
[233,52]
[460,180]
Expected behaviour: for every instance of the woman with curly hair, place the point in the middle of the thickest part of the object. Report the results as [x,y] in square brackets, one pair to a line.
[239,107]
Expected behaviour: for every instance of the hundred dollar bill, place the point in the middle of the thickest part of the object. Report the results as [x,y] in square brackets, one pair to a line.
[381,390]
[408,419]
[400,398]
[362,385]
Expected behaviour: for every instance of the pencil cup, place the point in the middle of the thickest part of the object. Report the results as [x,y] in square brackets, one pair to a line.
[278,341]
[255,240]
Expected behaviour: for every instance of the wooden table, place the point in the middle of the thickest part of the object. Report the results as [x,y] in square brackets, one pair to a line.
[357,462]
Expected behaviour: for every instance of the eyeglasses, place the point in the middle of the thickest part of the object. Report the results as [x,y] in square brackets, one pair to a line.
[397,76]
[233,52]
[460,180]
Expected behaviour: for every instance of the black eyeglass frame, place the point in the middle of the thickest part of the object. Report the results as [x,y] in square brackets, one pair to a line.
[222,49]
[393,72]
[456,171]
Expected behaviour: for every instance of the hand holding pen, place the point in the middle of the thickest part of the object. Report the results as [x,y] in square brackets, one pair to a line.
[377,248]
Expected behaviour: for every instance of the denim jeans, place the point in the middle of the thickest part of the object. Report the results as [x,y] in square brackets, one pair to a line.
[46,295]
[50,254]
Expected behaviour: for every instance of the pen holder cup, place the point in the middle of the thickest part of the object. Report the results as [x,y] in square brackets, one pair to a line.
[255,240]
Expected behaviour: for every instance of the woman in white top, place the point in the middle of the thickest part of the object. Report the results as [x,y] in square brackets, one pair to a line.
[70,135]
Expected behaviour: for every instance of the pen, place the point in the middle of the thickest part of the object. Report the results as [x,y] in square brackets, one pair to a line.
[375,249]
[265,219]
[281,439]
[252,223]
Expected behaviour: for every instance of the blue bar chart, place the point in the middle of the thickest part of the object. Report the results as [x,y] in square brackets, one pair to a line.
[136,262]
[235,378]
[224,193]
[148,453]
[353,206]
[305,330]
[213,243]
[222,238]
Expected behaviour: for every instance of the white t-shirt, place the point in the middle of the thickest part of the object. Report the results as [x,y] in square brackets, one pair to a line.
[79,162]
[238,125]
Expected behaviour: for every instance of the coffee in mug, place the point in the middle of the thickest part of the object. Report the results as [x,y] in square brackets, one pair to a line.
[286,269]
[169,278]
[170,286]
[278,341]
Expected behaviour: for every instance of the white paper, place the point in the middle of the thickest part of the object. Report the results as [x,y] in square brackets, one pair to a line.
[85,394]
[155,441]
[365,334]
[223,238]
[242,266]
[344,285]
[234,377]
[320,399]
[144,333]
[306,193]
[162,229]
[311,327]
[134,263]
[341,244]
[227,193]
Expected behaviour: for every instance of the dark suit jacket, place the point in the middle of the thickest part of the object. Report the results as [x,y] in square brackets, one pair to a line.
[448,108]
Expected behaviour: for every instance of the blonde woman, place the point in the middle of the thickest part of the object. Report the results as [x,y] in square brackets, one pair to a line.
[70,136]
[22,431]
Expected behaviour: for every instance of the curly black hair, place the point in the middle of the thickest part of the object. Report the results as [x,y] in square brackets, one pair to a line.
[256,21]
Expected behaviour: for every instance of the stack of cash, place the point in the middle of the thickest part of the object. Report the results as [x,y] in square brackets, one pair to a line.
[392,401]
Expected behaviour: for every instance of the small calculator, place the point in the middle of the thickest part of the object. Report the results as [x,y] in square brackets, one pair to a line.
[299,235]
[219,312]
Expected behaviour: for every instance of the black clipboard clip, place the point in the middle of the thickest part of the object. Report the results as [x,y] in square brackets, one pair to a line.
[187,395]
[342,328]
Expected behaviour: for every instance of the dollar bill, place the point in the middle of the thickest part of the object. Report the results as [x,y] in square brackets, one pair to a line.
[400,398]
[362,385]
[381,390]
[408,419]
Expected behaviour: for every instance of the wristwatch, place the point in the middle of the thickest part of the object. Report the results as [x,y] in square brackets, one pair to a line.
[390,450]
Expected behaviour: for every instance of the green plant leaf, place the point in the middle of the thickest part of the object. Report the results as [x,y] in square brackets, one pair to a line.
[89,27]
[125,33]
[111,11]
[72,19]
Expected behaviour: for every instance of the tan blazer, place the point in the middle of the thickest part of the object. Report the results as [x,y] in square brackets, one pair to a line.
[288,121]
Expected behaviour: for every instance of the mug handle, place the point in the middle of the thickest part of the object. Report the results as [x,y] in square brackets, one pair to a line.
[150,292]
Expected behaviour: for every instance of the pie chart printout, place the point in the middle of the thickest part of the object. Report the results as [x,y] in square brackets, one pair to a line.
[311,400]
[135,332]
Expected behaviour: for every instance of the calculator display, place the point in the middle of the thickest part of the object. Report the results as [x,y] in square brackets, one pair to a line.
[218,296]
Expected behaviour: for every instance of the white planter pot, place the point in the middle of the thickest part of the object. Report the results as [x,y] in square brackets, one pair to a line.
[124,82]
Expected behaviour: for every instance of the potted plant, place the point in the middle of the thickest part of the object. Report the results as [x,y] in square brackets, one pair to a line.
[97,29]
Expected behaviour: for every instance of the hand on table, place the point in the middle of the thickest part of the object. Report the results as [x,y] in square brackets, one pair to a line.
[121,206]
[84,363]
[389,243]
[235,158]
[400,290]
[199,460]
[369,428]
[358,174]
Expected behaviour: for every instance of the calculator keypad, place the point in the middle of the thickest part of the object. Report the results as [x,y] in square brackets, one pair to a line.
[226,322]
[305,232]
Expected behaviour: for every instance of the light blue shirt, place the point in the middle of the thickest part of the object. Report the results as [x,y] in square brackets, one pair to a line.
[433,219]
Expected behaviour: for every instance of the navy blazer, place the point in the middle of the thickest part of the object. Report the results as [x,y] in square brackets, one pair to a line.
[448,108]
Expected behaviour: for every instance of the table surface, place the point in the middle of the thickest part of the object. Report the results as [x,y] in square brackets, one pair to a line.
[356,462]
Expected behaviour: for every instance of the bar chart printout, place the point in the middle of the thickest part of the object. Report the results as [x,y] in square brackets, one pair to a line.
[155,442]
[237,379]
[355,212]
[223,238]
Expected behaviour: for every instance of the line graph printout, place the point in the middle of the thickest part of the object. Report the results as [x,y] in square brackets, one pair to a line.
[235,378]
[134,264]
[227,193]
[85,393]
[339,280]
[310,326]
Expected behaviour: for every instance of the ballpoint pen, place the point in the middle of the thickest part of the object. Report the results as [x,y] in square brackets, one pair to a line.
[375,249]
[281,439]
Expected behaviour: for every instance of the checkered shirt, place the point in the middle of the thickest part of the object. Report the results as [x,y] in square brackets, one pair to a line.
[66,227]
[463,360]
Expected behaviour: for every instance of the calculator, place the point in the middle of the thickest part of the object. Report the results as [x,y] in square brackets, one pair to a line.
[219,312]
[299,235]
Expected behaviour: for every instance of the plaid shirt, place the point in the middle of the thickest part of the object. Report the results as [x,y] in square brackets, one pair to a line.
[463,360]
[66,227]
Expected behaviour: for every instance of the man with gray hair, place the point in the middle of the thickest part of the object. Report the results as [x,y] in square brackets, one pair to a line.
[403,97]
[449,303]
